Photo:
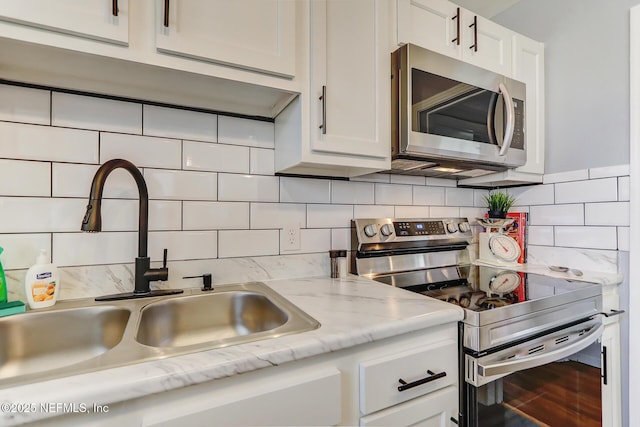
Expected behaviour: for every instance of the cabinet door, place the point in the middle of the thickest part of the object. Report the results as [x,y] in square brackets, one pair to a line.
[312,398]
[493,43]
[611,379]
[431,24]
[433,410]
[528,67]
[88,18]
[350,59]
[252,34]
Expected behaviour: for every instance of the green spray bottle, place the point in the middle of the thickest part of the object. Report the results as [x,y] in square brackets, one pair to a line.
[3,283]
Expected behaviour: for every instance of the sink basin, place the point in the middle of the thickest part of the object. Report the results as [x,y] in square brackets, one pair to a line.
[222,317]
[42,341]
[80,336]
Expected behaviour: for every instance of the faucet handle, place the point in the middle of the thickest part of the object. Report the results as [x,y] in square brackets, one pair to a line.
[164,258]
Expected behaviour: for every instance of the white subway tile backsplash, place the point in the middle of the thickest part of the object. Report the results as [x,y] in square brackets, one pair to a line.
[411,212]
[472,213]
[88,112]
[613,213]
[182,245]
[458,197]
[354,193]
[328,216]
[21,250]
[181,185]
[586,237]
[608,171]
[178,123]
[277,215]
[595,190]
[235,243]
[479,198]
[262,161]
[71,249]
[373,211]
[577,175]
[373,177]
[32,142]
[407,179]
[444,212]
[35,215]
[540,235]
[142,151]
[430,196]
[557,215]
[311,241]
[533,195]
[165,215]
[623,238]
[74,180]
[623,188]
[215,215]
[206,156]
[341,238]
[20,178]
[442,182]
[393,194]
[253,133]
[25,105]
[315,240]
[251,188]
[118,215]
[304,190]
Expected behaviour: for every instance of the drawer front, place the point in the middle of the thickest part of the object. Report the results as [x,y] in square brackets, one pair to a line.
[423,369]
[433,410]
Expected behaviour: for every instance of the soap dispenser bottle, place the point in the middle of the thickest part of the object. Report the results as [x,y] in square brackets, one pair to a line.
[42,282]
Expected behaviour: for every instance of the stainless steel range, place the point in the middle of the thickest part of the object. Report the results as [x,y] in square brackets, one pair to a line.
[514,323]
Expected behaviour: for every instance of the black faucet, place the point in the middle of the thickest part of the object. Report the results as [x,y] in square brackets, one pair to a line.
[92,222]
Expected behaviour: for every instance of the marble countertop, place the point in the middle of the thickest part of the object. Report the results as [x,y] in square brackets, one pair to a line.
[351,311]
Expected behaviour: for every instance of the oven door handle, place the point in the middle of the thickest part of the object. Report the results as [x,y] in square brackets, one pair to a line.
[511,119]
[539,359]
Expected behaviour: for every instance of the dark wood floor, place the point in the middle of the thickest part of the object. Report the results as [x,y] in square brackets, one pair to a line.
[561,394]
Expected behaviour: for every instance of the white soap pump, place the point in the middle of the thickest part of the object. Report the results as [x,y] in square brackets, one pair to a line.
[42,282]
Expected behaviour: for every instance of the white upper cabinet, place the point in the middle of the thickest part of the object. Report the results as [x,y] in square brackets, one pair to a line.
[340,123]
[443,27]
[252,34]
[350,78]
[106,20]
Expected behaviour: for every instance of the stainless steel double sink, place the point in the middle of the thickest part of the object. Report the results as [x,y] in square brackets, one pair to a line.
[81,336]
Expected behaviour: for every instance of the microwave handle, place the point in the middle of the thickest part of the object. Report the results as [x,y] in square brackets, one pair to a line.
[510,366]
[511,119]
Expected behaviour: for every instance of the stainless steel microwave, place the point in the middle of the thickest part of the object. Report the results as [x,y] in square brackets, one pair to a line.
[452,119]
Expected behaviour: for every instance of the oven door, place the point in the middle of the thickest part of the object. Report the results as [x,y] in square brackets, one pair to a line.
[553,380]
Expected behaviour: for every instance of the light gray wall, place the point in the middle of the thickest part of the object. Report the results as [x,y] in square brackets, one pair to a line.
[587,77]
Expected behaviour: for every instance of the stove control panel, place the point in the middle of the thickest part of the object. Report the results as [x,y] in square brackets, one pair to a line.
[380,230]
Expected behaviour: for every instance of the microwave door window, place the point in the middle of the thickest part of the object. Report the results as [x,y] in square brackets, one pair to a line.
[449,108]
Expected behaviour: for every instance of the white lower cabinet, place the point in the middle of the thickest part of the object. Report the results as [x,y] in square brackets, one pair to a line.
[433,410]
[327,389]
[305,399]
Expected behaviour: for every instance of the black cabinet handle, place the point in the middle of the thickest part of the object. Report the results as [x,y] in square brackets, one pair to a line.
[114,7]
[604,375]
[323,98]
[474,46]
[457,17]
[166,13]
[432,377]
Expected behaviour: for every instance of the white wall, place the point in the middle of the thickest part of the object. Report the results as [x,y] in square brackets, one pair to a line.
[587,77]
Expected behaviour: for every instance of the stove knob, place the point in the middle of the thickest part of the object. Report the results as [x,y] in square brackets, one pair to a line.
[386,230]
[464,227]
[370,230]
[452,228]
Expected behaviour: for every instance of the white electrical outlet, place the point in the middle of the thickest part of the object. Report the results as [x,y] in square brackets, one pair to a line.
[291,237]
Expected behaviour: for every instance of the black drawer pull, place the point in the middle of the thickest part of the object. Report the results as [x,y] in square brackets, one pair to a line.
[432,377]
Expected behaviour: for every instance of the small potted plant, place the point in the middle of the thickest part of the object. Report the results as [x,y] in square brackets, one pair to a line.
[498,203]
